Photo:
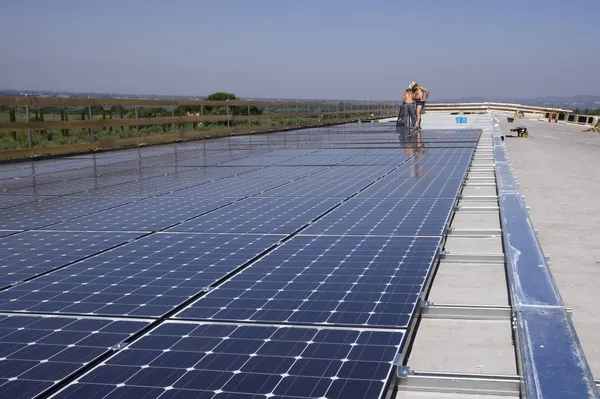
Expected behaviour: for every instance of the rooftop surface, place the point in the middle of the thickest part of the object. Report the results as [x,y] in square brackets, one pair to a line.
[159,253]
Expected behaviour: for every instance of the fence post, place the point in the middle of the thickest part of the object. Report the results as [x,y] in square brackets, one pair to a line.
[229,124]
[249,120]
[137,127]
[91,127]
[268,120]
[319,112]
[173,115]
[29,138]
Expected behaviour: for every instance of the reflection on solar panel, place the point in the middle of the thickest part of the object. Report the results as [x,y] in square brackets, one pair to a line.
[151,214]
[10,201]
[407,216]
[37,352]
[39,214]
[147,277]
[260,215]
[30,253]
[200,360]
[343,280]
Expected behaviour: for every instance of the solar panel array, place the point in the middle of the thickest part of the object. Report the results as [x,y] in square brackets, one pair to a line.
[279,265]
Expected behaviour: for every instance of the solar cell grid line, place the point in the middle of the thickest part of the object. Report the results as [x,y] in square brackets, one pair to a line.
[204,360]
[406,216]
[260,215]
[31,253]
[317,187]
[145,278]
[421,187]
[329,280]
[151,214]
[231,187]
[37,352]
[7,233]
[52,211]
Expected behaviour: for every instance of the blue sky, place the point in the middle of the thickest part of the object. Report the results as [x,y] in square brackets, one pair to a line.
[305,48]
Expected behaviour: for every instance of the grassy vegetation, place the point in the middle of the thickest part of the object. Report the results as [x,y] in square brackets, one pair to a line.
[52,138]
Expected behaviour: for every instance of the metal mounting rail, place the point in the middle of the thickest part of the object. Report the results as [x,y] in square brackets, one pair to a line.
[504,385]
[551,360]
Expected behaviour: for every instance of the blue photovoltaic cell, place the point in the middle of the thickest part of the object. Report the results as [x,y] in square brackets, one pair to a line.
[405,216]
[202,360]
[147,277]
[260,215]
[317,160]
[343,280]
[151,214]
[30,253]
[39,214]
[36,352]
[425,187]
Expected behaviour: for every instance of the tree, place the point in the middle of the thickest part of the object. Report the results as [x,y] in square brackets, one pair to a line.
[576,111]
[83,114]
[586,112]
[41,115]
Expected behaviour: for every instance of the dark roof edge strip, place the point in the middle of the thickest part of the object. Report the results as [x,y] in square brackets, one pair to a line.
[551,360]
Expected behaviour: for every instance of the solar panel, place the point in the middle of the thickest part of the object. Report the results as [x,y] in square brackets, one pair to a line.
[146,188]
[413,168]
[231,187]
[405,216]
[260,160]
[151,214]
[10,201]
[354,172]
[277,171]
[260,215]
[317,160]
[201,360]
[37,352]
[30,253]
[67,187]
[318,187]
[334,280]
[420,187]
[384,160]
[45,213]
[147,277]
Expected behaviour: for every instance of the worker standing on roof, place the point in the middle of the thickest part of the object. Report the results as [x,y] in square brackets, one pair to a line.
[407,116]
[420,96]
